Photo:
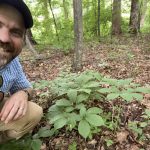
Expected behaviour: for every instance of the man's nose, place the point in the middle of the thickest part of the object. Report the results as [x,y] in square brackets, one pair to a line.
[4,35]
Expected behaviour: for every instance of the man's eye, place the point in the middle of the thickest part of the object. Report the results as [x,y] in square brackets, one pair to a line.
[17,33]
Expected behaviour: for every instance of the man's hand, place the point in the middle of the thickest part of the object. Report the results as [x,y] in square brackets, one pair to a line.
[15,107]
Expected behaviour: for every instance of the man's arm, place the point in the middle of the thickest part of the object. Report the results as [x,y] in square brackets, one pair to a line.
[21,91]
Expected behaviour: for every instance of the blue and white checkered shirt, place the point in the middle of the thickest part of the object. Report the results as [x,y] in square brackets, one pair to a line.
[14,78]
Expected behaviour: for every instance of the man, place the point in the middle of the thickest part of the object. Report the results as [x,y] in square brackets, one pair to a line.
[18,115]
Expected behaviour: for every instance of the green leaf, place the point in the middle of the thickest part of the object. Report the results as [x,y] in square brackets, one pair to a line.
[79,106]
[88,91]
[84,128]
[72,94]
[108,90]
[36,144]
[82,97]
[94,110]
[137,96]
[53,108]
[147,112]
[112,96]
[56,117]
[63,102]
[95,120]
[45,133]
[143,124]
[143,89]
[60,123]
[109,142]
[127,96]
[69,109]
[91,84]
[82,111]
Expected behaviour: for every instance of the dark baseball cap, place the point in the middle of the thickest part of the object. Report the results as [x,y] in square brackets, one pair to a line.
[23,9]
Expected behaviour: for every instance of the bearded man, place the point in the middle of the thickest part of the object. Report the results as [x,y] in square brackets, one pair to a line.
[18,115]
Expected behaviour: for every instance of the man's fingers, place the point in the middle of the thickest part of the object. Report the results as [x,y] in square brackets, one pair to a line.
[5,111]
[11,114]
[19,113]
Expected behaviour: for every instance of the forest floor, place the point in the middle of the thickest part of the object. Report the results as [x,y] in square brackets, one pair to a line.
[120,58]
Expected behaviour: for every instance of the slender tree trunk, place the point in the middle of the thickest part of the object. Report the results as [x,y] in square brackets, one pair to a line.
[78,34]
[50,5]
[134,17]
[30,37]
[94,2]
[30,46]
[65,10]
[116,17]
[142,14]
[98,18]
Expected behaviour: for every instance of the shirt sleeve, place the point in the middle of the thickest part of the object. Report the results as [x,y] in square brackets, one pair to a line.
[20,81]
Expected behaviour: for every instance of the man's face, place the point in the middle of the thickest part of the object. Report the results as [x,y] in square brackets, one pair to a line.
[12,32]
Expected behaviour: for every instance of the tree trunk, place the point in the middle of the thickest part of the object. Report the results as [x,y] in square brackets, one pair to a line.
[98,19]
[55,24]
[116,17]
[65,10]
[30,37]
[94,3]
[30,46]
[78,34]
[134,17]
[142,14]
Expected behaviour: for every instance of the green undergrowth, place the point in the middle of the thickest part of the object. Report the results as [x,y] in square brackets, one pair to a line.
[89,103]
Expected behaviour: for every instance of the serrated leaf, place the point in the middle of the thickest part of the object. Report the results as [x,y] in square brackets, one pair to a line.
[112,96]
[94,110]
[84,128]
[60,123]
[127,96]
[63,102]
[36,144]
[72,94]
[95,120]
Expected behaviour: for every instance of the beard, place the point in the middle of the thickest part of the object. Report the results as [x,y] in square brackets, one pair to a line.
[5,57]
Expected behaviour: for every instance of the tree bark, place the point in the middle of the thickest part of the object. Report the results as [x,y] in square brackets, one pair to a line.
[98,19]
[55,24]
[134,17]
[142,14]
[30,37]
[116,17]
[78,35]
[65,10]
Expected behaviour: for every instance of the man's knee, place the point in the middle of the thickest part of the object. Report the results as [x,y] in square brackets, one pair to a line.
[35,112]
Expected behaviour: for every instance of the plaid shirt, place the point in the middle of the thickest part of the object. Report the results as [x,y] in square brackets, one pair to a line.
[14,78]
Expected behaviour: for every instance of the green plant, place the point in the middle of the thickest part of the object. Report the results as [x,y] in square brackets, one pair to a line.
[73,96]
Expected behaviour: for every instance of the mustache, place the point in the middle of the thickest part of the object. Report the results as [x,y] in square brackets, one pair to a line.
[6,46]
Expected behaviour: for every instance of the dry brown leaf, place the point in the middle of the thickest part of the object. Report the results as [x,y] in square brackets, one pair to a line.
[122,136]
[134,147]
[43,147]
